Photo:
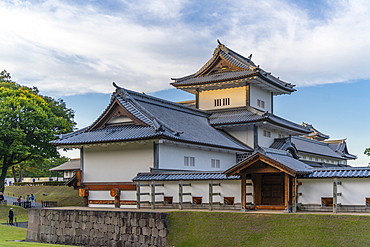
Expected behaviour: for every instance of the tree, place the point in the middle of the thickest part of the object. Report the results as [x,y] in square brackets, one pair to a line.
[367,152]
[28,122]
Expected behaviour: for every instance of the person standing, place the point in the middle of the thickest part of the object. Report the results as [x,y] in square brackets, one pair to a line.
[32,200]
[1,196]
[11,215]
[28,198]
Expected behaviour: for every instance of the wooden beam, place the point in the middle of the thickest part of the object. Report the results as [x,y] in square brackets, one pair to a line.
[111,202]
[294,192]
[243,190]
[286,204]
[270,207]
[109,186]
[268,169]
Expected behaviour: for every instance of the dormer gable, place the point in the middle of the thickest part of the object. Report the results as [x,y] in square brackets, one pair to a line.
[116,114]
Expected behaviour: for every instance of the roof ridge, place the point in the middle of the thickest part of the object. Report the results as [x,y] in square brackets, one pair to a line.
[156,123]
[184,108]
[310,140]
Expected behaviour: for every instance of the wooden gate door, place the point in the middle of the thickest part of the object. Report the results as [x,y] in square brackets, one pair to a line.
[272,189]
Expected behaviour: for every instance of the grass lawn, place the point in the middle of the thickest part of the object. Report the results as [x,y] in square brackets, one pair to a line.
[64,195]
[236,229]
[10,233]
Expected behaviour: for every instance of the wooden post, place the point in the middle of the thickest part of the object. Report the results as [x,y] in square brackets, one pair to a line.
[138,195]
[335,194]
[153,194]
[116,193]
[295,192]
[243,191]
[180,194]
[211,195]
[287,208]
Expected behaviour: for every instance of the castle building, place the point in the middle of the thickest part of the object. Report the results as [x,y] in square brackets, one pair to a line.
[225,149]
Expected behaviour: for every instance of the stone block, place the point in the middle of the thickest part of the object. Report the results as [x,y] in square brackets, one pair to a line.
[59,232]
[146,231]
[151,222]
[124,237]
[133,222]
[75,224]
[116,229]
[163,233]
[142,239]
[115,221]
[159,224]
[89,225]
[48,230]
[108,220]
[103,227]
[142,222]
[155,232]
[62,224]
[44,221]
[123,229]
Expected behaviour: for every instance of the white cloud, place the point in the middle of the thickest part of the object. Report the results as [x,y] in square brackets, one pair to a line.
[68,49]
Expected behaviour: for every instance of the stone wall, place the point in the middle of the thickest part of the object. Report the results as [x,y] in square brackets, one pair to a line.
[97,228]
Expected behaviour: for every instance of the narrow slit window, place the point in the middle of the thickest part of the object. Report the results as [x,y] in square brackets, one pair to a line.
[222,102]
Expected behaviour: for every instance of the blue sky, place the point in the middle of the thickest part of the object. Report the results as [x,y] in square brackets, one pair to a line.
[76,49]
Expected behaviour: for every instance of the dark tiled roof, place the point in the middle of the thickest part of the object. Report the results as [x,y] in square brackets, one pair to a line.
[247,67]
[286,159]
[280,158]
[340,146]
[217,77]
[250,115]
[314,147]
[340,172]
[164,119]
[315,133]
[175,176]
[73,164]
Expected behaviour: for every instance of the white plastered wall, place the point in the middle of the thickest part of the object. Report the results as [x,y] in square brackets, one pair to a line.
[354,190]
[264,141]
[261,94]
[116,163]
[228,188]
[237,98]
[244,134]
[105,195]
[172,157]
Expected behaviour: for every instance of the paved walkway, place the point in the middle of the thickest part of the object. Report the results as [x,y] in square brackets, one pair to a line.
[10,201]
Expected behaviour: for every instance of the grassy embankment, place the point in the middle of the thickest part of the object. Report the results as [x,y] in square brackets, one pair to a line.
[10,233]
[64,195]
[237,229]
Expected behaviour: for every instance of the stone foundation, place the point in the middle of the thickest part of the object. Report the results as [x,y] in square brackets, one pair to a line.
[97,228]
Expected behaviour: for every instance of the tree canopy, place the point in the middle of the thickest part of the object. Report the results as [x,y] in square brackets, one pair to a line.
[28,122]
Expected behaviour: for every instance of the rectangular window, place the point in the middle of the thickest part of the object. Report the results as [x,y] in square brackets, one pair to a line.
[222,102]
[281,136]
[267,133]
[189,161]
[261,103]
[215,163]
